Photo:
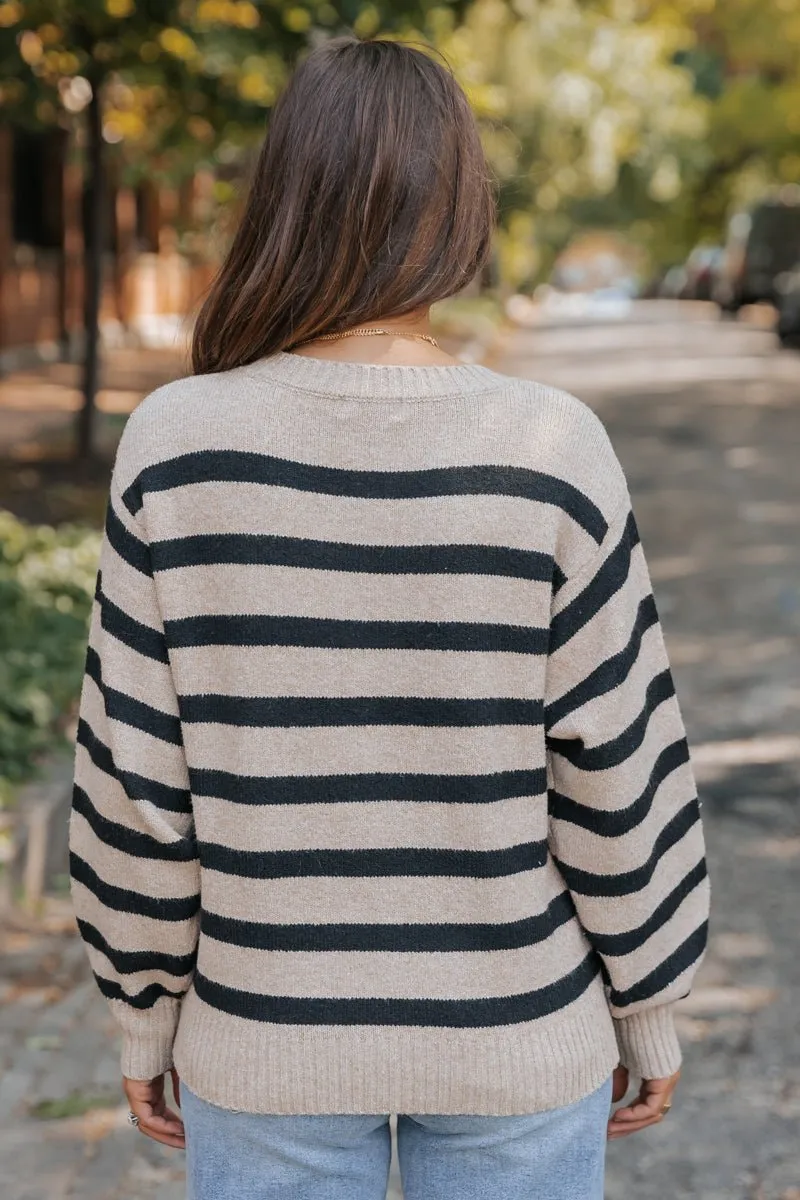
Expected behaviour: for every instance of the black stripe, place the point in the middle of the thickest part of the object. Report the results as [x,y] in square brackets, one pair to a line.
[129,548]
[124,900]
[446,937]
[121,707]
[616,822]
[618,749]
[328,632]
[275,550]
[666,973]
[495,1010]
[482,479]
[367,786]
[360,864]
[590,884]
[128,962]
[610,578]
[617,944]
[610,674]
[144,999]
[146,641]
[283,711]
[130,841]
[137,787]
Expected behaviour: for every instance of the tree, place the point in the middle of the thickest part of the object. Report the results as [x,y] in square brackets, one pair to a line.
[166,83]
[587,119]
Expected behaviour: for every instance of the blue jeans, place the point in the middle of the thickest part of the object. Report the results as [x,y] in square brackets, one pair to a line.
[555,1155]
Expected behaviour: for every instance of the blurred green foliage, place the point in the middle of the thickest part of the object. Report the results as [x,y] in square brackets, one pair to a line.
[47,579]
[652,117]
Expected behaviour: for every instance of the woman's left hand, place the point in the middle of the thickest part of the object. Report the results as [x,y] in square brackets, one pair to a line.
[649,1108]
[147,1099]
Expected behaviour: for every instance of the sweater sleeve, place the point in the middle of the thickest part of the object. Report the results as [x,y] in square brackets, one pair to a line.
[625,825]
[133,858]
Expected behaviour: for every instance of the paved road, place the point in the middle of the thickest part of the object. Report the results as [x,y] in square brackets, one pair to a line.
[706,418]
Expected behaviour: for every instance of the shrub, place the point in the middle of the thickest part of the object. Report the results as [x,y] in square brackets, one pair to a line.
[47,579]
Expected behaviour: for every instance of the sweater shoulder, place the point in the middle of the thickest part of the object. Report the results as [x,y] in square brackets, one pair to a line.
[157,428]
[568,440]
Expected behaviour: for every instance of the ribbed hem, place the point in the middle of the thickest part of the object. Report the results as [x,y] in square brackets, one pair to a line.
[147,1037]
[261,1067]
[648,1043]
[375,381]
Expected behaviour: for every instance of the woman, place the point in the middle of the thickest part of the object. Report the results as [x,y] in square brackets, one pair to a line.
[383,802]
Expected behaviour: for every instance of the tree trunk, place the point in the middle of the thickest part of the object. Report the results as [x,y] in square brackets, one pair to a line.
[94,240]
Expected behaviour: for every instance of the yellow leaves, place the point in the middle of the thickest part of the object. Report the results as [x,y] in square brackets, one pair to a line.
[50,34]
[254,87]
[200,129]
[119,8]
[489,101]
[260,78]
[30,48]
[368,21]
[124,125]
[240,13]
[178,44]
[10,13]
[298,19]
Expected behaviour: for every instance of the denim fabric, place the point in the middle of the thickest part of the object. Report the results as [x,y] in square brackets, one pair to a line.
[554,1155]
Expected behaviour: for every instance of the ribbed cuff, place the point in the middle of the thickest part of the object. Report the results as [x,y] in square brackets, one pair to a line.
[147,1037]
[648,1044]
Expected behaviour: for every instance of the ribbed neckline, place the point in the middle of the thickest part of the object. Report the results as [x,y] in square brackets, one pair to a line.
[375,381]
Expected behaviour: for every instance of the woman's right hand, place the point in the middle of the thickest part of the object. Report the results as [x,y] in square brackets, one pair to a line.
[649,1107]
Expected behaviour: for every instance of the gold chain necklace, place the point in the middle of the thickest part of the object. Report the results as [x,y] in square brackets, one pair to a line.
[370,332]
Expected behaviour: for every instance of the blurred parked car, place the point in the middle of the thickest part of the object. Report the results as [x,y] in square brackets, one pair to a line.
[702,269]
[788,288]
[762,244]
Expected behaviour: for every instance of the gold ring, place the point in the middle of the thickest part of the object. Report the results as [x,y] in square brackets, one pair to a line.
[665,1108]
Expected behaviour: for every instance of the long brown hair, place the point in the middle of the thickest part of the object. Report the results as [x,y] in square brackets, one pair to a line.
[371,198]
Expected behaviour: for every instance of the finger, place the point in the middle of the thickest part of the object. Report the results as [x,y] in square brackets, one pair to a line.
[168,1123]
[178,1143]
[621,1081]
[653,1095]
[623,1129]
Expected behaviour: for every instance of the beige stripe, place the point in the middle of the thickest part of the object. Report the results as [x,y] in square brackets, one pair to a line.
[153,877]
[381,899]
[232,588]
[382,823]
[402,975]
[255,508]
[605,634]
[134,674]
[620,914]
[593,852]
[629,968]
[136,981]
[131,931]
[676,990]
[134,750]
[581,579]
[306,671]
[616,787]
[337,749]
[605,716]
[129,589]
[112,801]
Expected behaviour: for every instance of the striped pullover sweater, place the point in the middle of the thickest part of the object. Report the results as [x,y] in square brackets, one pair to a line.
[382,799]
